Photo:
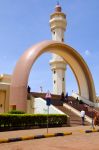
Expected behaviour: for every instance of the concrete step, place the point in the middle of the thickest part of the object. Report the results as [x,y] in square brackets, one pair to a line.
[74,119]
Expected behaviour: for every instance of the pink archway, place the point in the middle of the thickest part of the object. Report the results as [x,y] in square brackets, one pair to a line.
[18,91]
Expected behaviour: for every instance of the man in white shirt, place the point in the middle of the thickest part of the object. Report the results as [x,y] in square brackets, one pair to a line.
[83,116]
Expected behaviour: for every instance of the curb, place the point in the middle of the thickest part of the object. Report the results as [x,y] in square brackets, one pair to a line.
[33,137]
[90,131]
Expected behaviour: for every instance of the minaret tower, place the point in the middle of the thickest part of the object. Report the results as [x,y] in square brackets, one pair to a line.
[58,66]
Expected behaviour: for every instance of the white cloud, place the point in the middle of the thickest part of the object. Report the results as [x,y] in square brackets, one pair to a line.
[87,52]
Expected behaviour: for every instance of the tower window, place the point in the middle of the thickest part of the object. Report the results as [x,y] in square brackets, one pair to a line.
[54,81]
[54,71]
[54,32]
[62,39]
[63,79]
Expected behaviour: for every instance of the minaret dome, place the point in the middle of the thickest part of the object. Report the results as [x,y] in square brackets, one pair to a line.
[58,7]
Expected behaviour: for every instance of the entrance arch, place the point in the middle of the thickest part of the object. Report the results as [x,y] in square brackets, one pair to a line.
[18,90]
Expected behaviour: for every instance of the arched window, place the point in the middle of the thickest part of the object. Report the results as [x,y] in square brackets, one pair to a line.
[54,71]
[62,39]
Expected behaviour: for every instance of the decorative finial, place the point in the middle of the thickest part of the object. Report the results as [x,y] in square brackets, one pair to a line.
[57,2]
[58,7]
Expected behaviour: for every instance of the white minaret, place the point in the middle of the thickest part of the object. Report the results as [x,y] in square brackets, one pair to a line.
[58,66]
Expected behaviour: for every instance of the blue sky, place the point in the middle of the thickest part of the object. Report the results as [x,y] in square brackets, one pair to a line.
[26,22]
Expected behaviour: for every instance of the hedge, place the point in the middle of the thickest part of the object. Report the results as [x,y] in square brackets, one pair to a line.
[16,112]
[13,121]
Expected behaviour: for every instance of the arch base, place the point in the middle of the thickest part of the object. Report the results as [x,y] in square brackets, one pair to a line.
[20,98]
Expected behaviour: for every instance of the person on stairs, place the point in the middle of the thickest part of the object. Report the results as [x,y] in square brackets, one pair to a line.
[66,97]
[83,116]
[62,97]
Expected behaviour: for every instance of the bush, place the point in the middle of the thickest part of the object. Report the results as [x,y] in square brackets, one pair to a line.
[16,112]
[13,121]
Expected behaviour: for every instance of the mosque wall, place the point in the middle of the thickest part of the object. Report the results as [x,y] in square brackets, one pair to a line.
[5,81]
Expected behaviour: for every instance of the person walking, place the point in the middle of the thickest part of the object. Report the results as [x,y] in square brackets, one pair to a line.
[62,97]
[83,117]
[28,92]
[28,89]
[66,97]
[96,118]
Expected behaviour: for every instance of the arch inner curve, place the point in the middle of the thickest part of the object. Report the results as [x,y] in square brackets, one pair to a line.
[18,91]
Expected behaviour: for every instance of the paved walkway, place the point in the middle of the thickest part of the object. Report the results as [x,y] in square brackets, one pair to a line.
[79,140]
[31,132]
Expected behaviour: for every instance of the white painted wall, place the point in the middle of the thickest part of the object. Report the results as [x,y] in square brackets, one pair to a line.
[40,107]
[75,95]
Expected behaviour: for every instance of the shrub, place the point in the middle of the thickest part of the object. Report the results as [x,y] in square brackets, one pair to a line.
[31,120]
[16,112]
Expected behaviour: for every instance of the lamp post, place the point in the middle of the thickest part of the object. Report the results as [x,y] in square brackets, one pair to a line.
[41,89]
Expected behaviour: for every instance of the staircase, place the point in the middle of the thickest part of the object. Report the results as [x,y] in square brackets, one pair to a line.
[75,120]
[80,106]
